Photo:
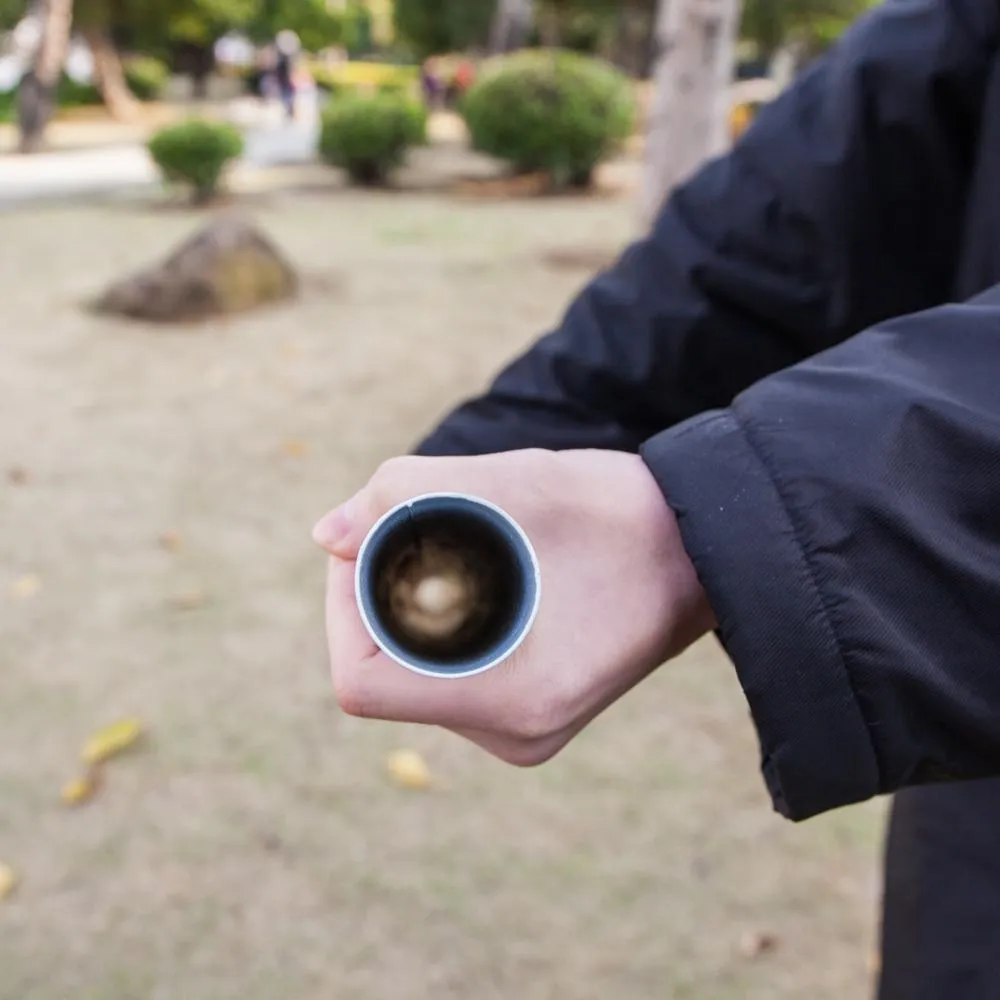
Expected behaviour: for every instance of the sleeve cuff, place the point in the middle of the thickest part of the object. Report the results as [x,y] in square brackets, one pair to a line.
[816,750]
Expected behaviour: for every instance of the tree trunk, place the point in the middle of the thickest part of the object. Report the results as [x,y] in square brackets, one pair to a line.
[37,92]
[550,25]
[633,31]
[689,113]
[511,26]
[109,75]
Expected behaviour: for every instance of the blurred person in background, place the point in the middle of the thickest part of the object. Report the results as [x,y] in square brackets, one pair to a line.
[431,83]
[287,49]
[776,417]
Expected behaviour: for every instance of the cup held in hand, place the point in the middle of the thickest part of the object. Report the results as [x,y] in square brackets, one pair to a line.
[447,585]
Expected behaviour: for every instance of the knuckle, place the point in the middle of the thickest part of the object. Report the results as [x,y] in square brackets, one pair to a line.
[390,477]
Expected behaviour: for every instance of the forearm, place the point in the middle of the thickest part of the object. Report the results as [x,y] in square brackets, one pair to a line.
[843,206]
[844,519]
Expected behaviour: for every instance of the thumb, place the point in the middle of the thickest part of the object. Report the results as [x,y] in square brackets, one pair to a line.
[342,531]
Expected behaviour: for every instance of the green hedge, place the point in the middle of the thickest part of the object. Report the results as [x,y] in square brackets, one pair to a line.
[370,136]
[196,153]
[548,110]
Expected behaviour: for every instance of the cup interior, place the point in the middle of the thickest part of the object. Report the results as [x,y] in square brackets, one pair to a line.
[496,564]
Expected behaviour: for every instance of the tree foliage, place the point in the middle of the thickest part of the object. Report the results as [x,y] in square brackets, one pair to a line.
[156,25]
[316,23]
[430,26]
[11,11]
[814,24]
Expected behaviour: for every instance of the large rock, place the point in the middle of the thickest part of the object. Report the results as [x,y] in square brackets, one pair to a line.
[228,267]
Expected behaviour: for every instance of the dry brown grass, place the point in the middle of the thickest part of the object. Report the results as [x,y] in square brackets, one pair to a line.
[254,849]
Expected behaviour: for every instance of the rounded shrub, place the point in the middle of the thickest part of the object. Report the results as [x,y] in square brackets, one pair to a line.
[370,136]
[196,153]
[146,76]
[550,111]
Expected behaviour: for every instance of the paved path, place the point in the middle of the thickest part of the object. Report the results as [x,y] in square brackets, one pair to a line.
[106,169]
[270,141]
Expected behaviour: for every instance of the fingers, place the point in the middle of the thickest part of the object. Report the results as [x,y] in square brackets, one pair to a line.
[370,685]
[379,688]
[342,531]
[350,643]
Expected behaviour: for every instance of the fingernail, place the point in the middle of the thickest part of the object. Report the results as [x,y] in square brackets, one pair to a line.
[332,529]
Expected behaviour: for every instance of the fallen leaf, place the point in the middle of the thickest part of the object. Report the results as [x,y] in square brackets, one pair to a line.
[8,881]
[111,741]
[17,475]
[171,541]
[296,449]
[80,790]
[25,587]
[753,944]
[408,769]
[188,600]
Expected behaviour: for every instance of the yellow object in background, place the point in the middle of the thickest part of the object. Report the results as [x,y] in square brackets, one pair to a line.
[80,790]
[740,119]
[409,769]
[111,741]
[8,881]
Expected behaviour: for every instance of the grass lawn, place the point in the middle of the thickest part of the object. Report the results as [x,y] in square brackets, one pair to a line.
[254,849]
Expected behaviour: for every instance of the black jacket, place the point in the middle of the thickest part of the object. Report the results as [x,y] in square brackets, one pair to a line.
[844,513]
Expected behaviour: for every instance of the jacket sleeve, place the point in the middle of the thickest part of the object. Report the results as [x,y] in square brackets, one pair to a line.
[844,518]
[842,206]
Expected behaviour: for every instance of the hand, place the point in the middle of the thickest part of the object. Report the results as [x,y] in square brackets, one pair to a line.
[619,597]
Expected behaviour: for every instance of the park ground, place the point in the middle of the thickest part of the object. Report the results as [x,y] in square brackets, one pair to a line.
[159,492]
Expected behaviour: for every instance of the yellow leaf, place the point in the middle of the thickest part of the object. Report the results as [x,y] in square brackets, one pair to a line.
[8,881]
[111,741]
[80,790]
[27,586]
[409,769]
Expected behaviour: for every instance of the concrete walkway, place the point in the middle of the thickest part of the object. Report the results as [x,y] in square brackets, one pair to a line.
[110,168]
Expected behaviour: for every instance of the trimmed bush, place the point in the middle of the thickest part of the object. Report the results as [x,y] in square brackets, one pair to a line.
[370,136]
[146,76]
[196,153]
[550,111]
